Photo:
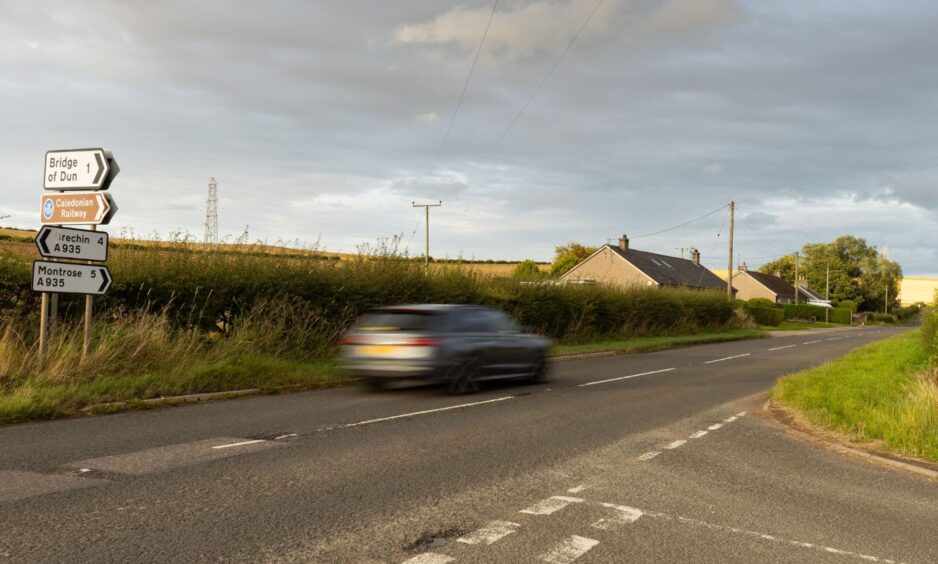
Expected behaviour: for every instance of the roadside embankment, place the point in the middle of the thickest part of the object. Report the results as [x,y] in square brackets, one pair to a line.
[883,395]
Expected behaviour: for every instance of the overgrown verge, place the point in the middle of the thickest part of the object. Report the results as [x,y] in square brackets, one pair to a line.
[885,393]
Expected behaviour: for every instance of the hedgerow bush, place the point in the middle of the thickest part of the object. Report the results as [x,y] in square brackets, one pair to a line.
[772,316]
[214,291]
[803,311]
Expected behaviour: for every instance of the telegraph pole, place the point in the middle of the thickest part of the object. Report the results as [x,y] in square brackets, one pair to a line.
[426,209]
[729,275]
[796,277]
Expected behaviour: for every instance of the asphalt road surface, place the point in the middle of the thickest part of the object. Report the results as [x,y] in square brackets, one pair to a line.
[661,457]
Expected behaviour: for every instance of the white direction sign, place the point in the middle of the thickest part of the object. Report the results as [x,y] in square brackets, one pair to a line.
[79,244]
[79,169]
[66,278]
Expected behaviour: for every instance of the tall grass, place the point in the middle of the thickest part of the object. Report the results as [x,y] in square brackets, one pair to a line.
[879,392]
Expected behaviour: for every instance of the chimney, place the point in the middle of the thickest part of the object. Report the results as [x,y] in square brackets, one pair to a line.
[743,267]
[695,257]
[624,242]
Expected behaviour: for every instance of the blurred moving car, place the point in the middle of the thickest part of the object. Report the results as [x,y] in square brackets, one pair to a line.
[460,345]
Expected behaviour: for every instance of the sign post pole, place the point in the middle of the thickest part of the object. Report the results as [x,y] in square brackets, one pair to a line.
[86,344]
[43,327]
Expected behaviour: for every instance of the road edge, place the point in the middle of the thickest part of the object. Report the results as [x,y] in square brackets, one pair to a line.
[914,466]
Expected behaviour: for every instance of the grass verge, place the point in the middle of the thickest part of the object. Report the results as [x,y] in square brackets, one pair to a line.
[650,344]
[880,394]
[34,399]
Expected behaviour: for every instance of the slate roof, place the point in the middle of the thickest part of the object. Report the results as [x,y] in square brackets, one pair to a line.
[782,288]
[779,286]
[671,271]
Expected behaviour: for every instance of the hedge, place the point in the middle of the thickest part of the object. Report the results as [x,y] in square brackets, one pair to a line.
[212,290]
[767,315]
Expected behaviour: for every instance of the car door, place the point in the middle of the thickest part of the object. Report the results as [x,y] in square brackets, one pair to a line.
[513,354]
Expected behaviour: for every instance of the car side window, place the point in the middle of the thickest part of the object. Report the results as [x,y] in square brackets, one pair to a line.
[500,322]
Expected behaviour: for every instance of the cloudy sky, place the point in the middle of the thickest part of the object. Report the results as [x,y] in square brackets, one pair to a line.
[323,120]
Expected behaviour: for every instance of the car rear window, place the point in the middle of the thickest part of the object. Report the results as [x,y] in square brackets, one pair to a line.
[403,320]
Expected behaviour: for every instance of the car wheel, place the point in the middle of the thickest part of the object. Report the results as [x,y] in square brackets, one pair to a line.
[466,380]
[373,384]
[539,370]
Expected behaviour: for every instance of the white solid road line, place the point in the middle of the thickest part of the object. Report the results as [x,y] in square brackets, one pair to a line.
[569,550]
[414,414]
[551,505]
[623,515]
[490,534]
[430,558]
[727,358]
[783,348]
[242,443]
[675,444]
[626,377]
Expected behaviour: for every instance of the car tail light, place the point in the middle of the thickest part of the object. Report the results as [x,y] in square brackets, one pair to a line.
[351,340]
[424,342]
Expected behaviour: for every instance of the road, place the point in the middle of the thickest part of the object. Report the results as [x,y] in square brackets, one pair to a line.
[660,457]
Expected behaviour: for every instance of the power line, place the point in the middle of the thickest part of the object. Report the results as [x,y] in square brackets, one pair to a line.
[546,78]
[465,86]
[686,223]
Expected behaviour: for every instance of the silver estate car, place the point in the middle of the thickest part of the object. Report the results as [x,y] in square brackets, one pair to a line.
[460,345]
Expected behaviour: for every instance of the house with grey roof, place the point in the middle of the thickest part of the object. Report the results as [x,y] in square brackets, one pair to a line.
[754,284]
[620,265]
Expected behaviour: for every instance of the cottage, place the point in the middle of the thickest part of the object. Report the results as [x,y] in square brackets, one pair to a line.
[623,266]
[753,284]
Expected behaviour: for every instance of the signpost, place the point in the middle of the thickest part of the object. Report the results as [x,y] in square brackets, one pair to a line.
[70,278]
[77,244]
[79,169]
[77,208]
[69,173]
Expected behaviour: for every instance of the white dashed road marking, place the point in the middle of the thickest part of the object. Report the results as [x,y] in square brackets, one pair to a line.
[416,413]
[699,434]
[675,444]
[551,505]
[626,377]
[430,558]
[727,358]
[578,489]
[649,455]
[811,342]
[715,426]
[490,534]
[835,338]
[16,484]
[569,550]
[782,348]
[623,515]
[764,536]
[242,443]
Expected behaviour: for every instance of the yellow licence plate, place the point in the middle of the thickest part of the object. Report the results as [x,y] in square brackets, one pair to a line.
[378,350]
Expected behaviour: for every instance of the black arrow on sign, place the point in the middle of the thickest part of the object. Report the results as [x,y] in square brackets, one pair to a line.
[42,240]
[105,280]
[97,177]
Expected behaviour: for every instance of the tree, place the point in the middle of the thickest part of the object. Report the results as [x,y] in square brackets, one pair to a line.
[569,255]
[859,273]
[527,269]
